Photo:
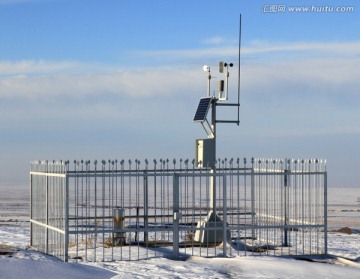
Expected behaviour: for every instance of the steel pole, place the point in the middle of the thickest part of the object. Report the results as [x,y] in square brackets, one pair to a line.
[213,164]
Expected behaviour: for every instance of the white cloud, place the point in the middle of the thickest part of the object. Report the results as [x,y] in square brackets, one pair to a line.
[318,76]
[258,47]
[42,67]
[294,93]
[50,79]
[214,40]
[263,46]
[189,53]
[141,82]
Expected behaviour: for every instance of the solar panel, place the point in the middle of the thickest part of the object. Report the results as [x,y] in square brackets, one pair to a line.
[202,110]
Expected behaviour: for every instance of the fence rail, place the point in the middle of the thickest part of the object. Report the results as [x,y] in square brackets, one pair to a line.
[124,210]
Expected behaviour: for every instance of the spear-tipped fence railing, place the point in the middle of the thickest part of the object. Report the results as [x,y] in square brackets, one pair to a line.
[128,210]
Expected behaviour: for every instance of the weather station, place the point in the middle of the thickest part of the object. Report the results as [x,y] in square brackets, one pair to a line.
[211,228]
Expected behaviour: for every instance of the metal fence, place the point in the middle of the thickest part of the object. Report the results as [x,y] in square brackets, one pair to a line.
[124,210]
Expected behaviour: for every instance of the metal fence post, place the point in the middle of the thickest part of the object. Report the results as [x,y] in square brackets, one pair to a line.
[252,204]
[325,214]
[224,217]
[47,214]
[66,236]
[286,202]
[31,207]
[146,210]
[176,215]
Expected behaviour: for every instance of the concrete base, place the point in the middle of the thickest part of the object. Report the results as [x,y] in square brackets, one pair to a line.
[214,232]
[119,241]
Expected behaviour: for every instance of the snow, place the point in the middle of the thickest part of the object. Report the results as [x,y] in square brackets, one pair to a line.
[24,262]
[18,260]
[23,268]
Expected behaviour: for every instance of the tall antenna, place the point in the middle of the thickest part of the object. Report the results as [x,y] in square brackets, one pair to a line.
[238,122]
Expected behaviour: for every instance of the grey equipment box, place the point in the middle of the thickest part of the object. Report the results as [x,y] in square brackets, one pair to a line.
[205,153]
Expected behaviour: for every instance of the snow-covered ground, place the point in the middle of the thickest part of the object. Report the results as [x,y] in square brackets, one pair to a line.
[17,260]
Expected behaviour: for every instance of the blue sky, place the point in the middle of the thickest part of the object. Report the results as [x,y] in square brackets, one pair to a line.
[122,79]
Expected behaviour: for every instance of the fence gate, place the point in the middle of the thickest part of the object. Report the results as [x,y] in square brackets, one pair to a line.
[48,213]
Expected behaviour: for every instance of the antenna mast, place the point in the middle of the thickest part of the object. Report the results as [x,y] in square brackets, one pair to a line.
[238,121]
